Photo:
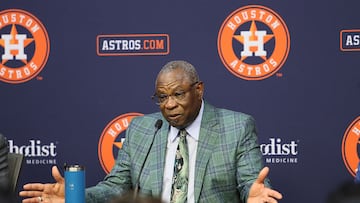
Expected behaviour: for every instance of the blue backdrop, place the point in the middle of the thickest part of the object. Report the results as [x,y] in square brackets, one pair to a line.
[103,57]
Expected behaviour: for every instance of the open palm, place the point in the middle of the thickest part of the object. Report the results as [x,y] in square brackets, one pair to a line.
[47,193]
[259,193]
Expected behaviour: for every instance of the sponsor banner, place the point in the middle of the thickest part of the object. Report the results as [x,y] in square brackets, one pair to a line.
[133,44]
[253,42]
[24,46]
[36,152]
[350,40]
[277,151]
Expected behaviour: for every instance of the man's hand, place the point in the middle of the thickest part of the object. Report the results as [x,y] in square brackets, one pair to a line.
[45,193]
[259,193]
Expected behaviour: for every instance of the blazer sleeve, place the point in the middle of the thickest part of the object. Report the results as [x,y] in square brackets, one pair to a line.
[128,163]
[249,157]
[118,181]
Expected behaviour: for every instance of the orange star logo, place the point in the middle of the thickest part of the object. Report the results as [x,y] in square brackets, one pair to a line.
[118,144]
[350,145]
[253,37]
[272,35]
[13,40]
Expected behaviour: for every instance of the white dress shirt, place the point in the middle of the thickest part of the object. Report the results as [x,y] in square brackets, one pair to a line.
[192,138]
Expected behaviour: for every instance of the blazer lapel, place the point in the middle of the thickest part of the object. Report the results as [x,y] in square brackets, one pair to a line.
[209,132]
[159,148]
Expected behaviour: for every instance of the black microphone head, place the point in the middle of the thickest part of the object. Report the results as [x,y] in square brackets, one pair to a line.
[158,124]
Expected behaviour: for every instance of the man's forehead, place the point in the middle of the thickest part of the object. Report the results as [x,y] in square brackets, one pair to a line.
[169,84]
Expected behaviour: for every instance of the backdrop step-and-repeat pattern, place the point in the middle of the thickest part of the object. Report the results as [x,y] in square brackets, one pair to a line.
[73,74]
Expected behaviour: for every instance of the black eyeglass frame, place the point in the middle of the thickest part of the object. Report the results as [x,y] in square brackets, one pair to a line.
[177,96]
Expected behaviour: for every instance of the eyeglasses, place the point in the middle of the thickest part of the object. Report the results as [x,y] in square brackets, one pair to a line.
[178,96]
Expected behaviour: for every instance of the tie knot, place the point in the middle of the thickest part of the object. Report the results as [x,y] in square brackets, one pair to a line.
[182,133]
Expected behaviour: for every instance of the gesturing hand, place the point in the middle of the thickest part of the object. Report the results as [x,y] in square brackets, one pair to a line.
[259,193]
[45,193]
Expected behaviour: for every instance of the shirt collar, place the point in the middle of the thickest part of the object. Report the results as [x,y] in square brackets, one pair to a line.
[193,129]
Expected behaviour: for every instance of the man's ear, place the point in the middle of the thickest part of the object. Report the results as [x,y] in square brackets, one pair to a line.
[200,89]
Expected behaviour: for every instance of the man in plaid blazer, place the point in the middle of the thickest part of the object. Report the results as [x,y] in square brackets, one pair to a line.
[225,159]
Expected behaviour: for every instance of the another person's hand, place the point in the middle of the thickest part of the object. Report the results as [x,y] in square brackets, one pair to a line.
[259,193]
[45,193]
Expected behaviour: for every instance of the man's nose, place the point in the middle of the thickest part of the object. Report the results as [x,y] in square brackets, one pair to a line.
[170,102]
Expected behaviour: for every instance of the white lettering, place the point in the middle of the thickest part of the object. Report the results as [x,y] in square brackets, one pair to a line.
[14,18]
[356,131]
[246,15]
[276,147]
[352,40]
[126,45]
[266,67]
[34,149]
[281,160]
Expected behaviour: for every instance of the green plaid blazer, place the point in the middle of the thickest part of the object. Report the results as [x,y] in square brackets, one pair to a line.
[228,159]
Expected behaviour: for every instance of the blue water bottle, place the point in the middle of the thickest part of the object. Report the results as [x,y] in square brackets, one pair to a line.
[74,184]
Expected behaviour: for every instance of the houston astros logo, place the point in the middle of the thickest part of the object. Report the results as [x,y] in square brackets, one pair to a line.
[253,42]
[111,140]
[351,146]
[24,46]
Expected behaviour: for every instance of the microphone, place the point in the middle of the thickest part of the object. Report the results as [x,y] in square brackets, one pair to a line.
[158,125]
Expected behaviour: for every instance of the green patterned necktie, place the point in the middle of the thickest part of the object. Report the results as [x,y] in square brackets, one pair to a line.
[181,171]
